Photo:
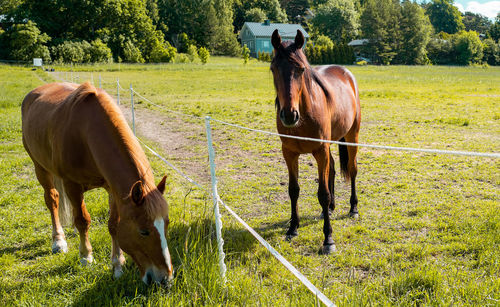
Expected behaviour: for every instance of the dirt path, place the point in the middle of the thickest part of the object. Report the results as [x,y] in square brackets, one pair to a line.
[179,141]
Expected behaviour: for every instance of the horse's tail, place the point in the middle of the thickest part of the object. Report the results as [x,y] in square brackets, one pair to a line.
[344,160]
[65,212]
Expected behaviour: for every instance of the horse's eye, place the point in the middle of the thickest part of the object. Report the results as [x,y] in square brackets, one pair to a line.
[144,232]
[300,69]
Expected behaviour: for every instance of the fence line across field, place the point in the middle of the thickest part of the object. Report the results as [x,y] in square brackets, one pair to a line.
[216,199]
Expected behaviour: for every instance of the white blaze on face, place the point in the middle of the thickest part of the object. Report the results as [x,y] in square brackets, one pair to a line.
[160,226]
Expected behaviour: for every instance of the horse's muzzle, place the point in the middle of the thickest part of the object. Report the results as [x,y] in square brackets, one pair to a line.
[289,118]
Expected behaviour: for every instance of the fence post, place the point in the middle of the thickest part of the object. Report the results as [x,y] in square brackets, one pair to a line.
[92,78]
[118,91]
[100,85]
[215,196]
[132,101]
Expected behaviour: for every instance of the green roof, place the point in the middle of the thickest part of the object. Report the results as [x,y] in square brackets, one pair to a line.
[266,30]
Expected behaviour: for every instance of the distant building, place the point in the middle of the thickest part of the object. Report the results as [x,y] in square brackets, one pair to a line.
[257,36]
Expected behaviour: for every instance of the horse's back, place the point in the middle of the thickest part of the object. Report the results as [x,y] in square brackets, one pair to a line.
[342,94]
[47,112]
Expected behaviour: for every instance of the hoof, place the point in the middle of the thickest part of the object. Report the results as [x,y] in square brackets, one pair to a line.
[328,249]
[117,272]
[291,234]
[87,260]
[59,246]
[354,215]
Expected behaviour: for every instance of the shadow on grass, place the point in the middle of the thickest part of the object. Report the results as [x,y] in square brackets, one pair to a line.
[28,250]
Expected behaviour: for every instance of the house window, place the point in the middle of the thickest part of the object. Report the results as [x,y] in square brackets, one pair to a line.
[266,44]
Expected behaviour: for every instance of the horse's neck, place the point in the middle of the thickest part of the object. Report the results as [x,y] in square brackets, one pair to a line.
[311,97]
[117,154]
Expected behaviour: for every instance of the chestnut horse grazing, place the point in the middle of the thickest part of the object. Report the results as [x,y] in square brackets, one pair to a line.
[79,140]
[321,103]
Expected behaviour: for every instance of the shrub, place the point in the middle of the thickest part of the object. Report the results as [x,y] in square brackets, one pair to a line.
[162,53]
[324,41]
[100,52]
[204,55]
[468,47]
[245,53]
[181,58]
[131,53]
[192,53]
[72,52]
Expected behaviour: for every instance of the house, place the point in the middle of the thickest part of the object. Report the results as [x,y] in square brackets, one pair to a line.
[257,36]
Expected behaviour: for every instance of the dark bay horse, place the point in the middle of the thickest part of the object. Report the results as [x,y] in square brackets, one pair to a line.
[79,140]
[321,103]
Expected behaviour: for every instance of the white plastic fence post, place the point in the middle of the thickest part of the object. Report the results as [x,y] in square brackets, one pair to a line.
[117,91]
[132,101]
[218,222]
[92,78]
[100,85]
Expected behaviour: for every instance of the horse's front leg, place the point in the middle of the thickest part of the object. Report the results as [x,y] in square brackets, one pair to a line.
[117,258]
[292,163]
[322,156]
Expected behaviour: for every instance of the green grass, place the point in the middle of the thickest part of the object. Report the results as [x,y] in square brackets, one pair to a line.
[429,227]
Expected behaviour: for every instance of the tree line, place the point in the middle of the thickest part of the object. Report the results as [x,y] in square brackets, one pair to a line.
[393,31]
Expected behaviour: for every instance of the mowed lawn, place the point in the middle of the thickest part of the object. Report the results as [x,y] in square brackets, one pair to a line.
[428,232]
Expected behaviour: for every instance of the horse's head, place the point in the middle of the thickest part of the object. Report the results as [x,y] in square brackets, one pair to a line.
[289,65]
[140,231]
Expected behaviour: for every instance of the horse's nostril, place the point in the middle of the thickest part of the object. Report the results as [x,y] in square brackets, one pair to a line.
[282,114]
[149,278]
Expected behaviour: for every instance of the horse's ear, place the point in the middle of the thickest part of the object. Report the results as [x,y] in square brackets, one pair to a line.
[276,39]
[299,39]
[161,185]
[137,193]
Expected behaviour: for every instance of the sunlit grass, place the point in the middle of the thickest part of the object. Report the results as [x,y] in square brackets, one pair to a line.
[429,227]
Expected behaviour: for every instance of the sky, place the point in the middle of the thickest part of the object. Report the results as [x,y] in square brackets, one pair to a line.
[487,8]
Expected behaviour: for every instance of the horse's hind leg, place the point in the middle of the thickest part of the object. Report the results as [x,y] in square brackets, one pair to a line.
[51,196]
[292,163]
[81,219]
[352,167]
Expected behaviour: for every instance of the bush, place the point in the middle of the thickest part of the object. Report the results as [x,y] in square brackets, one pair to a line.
[204,55]
[468,47]
[245,53]
[264,56]
[336,54]
[181,58]
[324,41]
[72,52]
[192,53]
[491,52]
[162,53]
[100,52]
[131,53]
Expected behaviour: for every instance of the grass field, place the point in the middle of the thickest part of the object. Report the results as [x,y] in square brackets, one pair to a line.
[429,230]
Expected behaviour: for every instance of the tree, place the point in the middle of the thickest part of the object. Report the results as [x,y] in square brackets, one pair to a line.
[491,51]
[255,15]
[495,29]
[476,22]
[415,34]
[100,52]
[468,47]
[192,53]
[322,40]
[379,24]
[444,16]
[25,42]
[224,41]
[338,19]
[114,22]
[296,10]
[271,8]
